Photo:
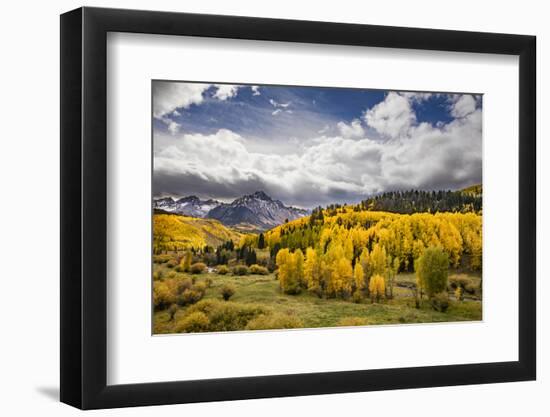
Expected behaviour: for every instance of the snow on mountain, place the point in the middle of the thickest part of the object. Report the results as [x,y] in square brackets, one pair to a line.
[166,204]
[257,210]
[188,206]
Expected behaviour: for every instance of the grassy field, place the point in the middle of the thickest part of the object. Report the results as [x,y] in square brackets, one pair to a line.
[312,311]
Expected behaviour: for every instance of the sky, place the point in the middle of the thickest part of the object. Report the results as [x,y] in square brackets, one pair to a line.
[311,146]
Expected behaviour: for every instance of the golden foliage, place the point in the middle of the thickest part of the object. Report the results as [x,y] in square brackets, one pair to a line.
[174,232]
[186,261]
[377,287]
[359,277]
[347,233]
[287,273]
[312,270]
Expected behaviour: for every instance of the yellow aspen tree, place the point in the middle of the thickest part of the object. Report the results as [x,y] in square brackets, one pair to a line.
[359,277]
[335,251]
[324,276]
[312,270]
[287,270]
[450,239]
[377,287]
[348,248]
[378,260]
[298,263]
[186,261]
[325,238]
[364,260]
[332,278]
[346,275]
[283,263]
[341,278]
[418,248]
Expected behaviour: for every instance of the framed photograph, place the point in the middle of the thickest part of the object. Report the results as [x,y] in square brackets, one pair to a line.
[258,208]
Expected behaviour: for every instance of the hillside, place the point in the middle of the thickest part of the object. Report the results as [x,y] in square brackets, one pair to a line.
[403,237]
[473,189]
[340,266]
[175,232]
[418,201]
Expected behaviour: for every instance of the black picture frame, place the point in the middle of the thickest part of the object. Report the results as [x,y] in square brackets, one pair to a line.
[84,207]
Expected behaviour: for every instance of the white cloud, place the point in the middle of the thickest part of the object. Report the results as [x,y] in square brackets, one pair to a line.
[392,117]
[255,90]
[279,111]
[169,96]
[173,127]
[323,169]
[324,130]
[276,104]
[226,91]
[462,105]
[353,130]
[417,97]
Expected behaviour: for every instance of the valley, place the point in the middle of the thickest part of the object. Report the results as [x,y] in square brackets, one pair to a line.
[256,264]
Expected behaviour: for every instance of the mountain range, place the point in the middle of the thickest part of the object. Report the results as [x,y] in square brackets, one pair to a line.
[256,211]
[188,206]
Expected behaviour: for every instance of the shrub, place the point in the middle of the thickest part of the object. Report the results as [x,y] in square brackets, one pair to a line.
[470,288]
[233,316]
[227,291]
[198,268]
[240,270]
[205,306]
[184,284]
[271,266]
[227,316]
[353,321]
[440,302]
[357,297]
[274,321]
[223,270]
[318,291]
[258,270]
[172,263]
[189,297]
[201,287]
[156,276]
[163,294]
[460,280]
[193,323]
[172,274]
[172,311]
[161,259]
